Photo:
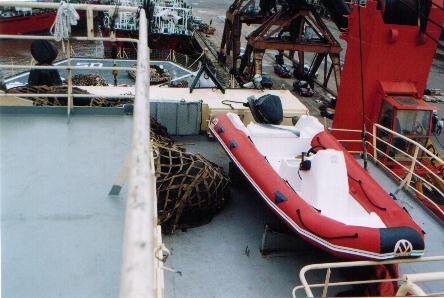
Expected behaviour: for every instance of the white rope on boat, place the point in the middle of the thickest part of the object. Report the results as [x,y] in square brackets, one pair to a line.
[66,17]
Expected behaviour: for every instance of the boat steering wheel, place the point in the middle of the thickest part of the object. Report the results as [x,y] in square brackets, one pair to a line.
[312,149]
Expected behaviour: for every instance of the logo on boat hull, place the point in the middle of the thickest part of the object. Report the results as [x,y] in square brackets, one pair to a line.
[403,248]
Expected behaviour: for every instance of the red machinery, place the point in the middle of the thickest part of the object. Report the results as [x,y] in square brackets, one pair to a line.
[396,61]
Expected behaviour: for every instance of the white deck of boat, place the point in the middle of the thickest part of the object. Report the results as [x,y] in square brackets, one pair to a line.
[62,234]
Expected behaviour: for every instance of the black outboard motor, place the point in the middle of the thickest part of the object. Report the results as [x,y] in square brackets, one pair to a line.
[44,52]
[266,109]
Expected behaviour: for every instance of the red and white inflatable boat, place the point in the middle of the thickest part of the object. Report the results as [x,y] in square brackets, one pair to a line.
[330,201]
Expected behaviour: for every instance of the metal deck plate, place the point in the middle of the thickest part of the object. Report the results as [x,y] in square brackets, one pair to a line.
[62,234]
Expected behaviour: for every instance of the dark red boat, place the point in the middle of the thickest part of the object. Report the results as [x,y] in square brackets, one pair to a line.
[17,22]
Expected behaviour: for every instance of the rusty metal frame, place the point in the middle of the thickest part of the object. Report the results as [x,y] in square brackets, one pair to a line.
[260,40]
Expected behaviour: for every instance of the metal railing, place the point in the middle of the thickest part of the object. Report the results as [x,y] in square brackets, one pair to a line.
[89,8]
[412,165]
[408,281]
[420,153]
[141,270]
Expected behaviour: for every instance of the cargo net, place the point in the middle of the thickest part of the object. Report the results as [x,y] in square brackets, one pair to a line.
[190,188]
[62,101]
[158,75]
[88,80]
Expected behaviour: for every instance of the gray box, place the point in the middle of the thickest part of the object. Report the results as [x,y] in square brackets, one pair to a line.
[180,117]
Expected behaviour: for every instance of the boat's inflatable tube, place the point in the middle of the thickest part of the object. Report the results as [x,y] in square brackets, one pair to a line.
[394,234]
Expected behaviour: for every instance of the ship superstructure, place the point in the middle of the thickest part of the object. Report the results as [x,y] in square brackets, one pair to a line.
[169,17]
[170,24]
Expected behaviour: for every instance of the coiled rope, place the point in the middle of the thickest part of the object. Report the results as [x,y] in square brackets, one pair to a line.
[66,17]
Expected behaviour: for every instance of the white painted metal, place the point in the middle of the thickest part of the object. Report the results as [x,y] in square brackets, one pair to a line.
[81,38]
[411,289]
[141,273]
[77,6]
[139,276]
[410,172]
[21,66]
[39,95]
[169,17]
[421,277]
[410,141]
[70,102]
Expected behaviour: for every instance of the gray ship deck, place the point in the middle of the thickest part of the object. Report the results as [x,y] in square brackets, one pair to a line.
[62,234]
[176,71]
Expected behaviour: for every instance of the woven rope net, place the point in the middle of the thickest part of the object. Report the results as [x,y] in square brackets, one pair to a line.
[62,101]
[190,188]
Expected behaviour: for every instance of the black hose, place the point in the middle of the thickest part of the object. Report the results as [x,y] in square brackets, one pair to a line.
[311,150]
[363,133]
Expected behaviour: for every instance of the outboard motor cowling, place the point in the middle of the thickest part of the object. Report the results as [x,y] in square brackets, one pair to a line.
[43,51]
[266,109]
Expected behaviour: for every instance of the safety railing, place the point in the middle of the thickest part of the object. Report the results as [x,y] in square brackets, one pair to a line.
[413,163]
[405,167]
[408,281]
[89,8]
[143,252]
[189,62]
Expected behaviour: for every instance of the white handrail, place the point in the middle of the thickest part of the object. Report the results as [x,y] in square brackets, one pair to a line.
[79,38]
[432,276]
[138,276]
[52,95]
[141,273]
[77,6]
[65,67]
[415,160]
[410,141]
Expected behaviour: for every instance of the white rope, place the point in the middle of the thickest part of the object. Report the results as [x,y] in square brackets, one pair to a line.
[66,17]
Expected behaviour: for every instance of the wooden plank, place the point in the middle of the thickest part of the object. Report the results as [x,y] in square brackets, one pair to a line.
[121,178]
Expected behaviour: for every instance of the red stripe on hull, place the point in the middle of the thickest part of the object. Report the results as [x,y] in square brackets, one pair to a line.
[27,24]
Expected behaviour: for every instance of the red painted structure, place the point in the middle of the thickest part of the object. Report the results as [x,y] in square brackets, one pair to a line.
[355,242]
[18,25]
[396,60]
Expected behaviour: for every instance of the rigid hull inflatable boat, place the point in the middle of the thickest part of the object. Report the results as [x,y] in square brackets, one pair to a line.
[312,183]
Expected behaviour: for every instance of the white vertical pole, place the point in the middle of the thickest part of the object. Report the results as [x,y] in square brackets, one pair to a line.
[69,102]
[375,151]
